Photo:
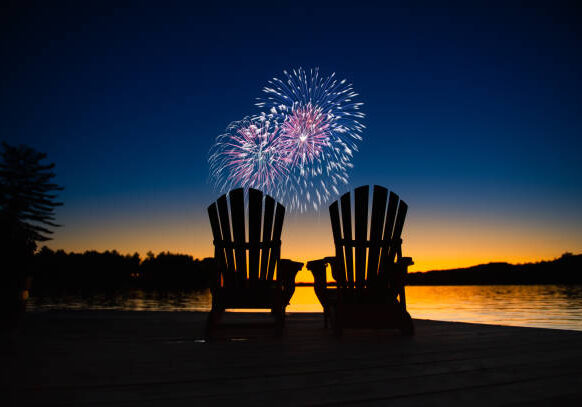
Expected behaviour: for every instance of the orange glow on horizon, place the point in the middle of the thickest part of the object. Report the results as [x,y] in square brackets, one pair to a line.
[448,242]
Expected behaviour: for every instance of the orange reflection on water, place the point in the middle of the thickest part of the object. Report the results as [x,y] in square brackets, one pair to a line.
[546,306]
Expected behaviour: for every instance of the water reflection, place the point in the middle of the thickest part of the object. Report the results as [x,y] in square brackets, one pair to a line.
[547,306]
[130,300]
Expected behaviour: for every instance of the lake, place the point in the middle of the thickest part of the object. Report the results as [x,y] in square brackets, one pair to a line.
[544,306]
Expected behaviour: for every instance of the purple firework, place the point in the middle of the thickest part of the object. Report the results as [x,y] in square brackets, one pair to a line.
[304,134]
[248,155]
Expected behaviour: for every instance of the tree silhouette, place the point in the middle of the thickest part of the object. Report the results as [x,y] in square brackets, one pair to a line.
[27,201]
[27,204]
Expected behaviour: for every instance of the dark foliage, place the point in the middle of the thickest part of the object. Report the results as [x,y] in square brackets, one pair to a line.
[175,271]
[565,270]
[110,270]
[27,204]
[27,201]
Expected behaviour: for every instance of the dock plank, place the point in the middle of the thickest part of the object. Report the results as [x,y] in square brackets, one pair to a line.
[159,358]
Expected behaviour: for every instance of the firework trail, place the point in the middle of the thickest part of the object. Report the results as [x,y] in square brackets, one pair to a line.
[321,128]
[248,155]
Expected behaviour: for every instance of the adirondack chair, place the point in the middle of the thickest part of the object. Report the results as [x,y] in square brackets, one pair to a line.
[245,273]
[368,266]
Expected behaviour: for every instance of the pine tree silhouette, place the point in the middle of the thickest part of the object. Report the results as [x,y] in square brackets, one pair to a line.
[27,204]
[27,201]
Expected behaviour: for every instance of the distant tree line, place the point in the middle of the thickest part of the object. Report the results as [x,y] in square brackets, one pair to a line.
[110,270]
[566,269]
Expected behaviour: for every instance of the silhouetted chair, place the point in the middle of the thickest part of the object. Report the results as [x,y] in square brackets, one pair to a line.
[368,266]
[243,281]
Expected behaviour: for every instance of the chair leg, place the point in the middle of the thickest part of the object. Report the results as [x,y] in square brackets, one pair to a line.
[336,321]
[211,321]
[407,326]
[279,314]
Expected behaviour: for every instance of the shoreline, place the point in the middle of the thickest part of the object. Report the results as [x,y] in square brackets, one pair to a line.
[258,313]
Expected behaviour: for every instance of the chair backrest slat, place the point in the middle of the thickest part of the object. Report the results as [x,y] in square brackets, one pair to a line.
[340,264]
[267,233]
[361,231]
[225,227]
[217,236]
[376,228]
[388,228]
[237,212]
[255,215]
[347,236]
[402,209]
[277,229]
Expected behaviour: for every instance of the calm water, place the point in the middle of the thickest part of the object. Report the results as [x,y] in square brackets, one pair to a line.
[546,306]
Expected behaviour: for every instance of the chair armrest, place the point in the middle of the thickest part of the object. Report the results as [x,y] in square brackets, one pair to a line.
[287,270]
[318,268]
[402,265]
[286,273]
[405,261]
[400,282]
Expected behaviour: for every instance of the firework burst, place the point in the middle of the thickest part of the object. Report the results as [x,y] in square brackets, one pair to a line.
[299,148]
[248,155]
[304,135]
[321,128]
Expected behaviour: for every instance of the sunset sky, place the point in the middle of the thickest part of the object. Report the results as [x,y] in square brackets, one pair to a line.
[473,115]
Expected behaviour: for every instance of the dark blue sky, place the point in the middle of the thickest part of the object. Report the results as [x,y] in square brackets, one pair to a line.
[471,111]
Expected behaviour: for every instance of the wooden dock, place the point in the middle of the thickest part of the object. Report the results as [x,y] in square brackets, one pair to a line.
[158,359]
